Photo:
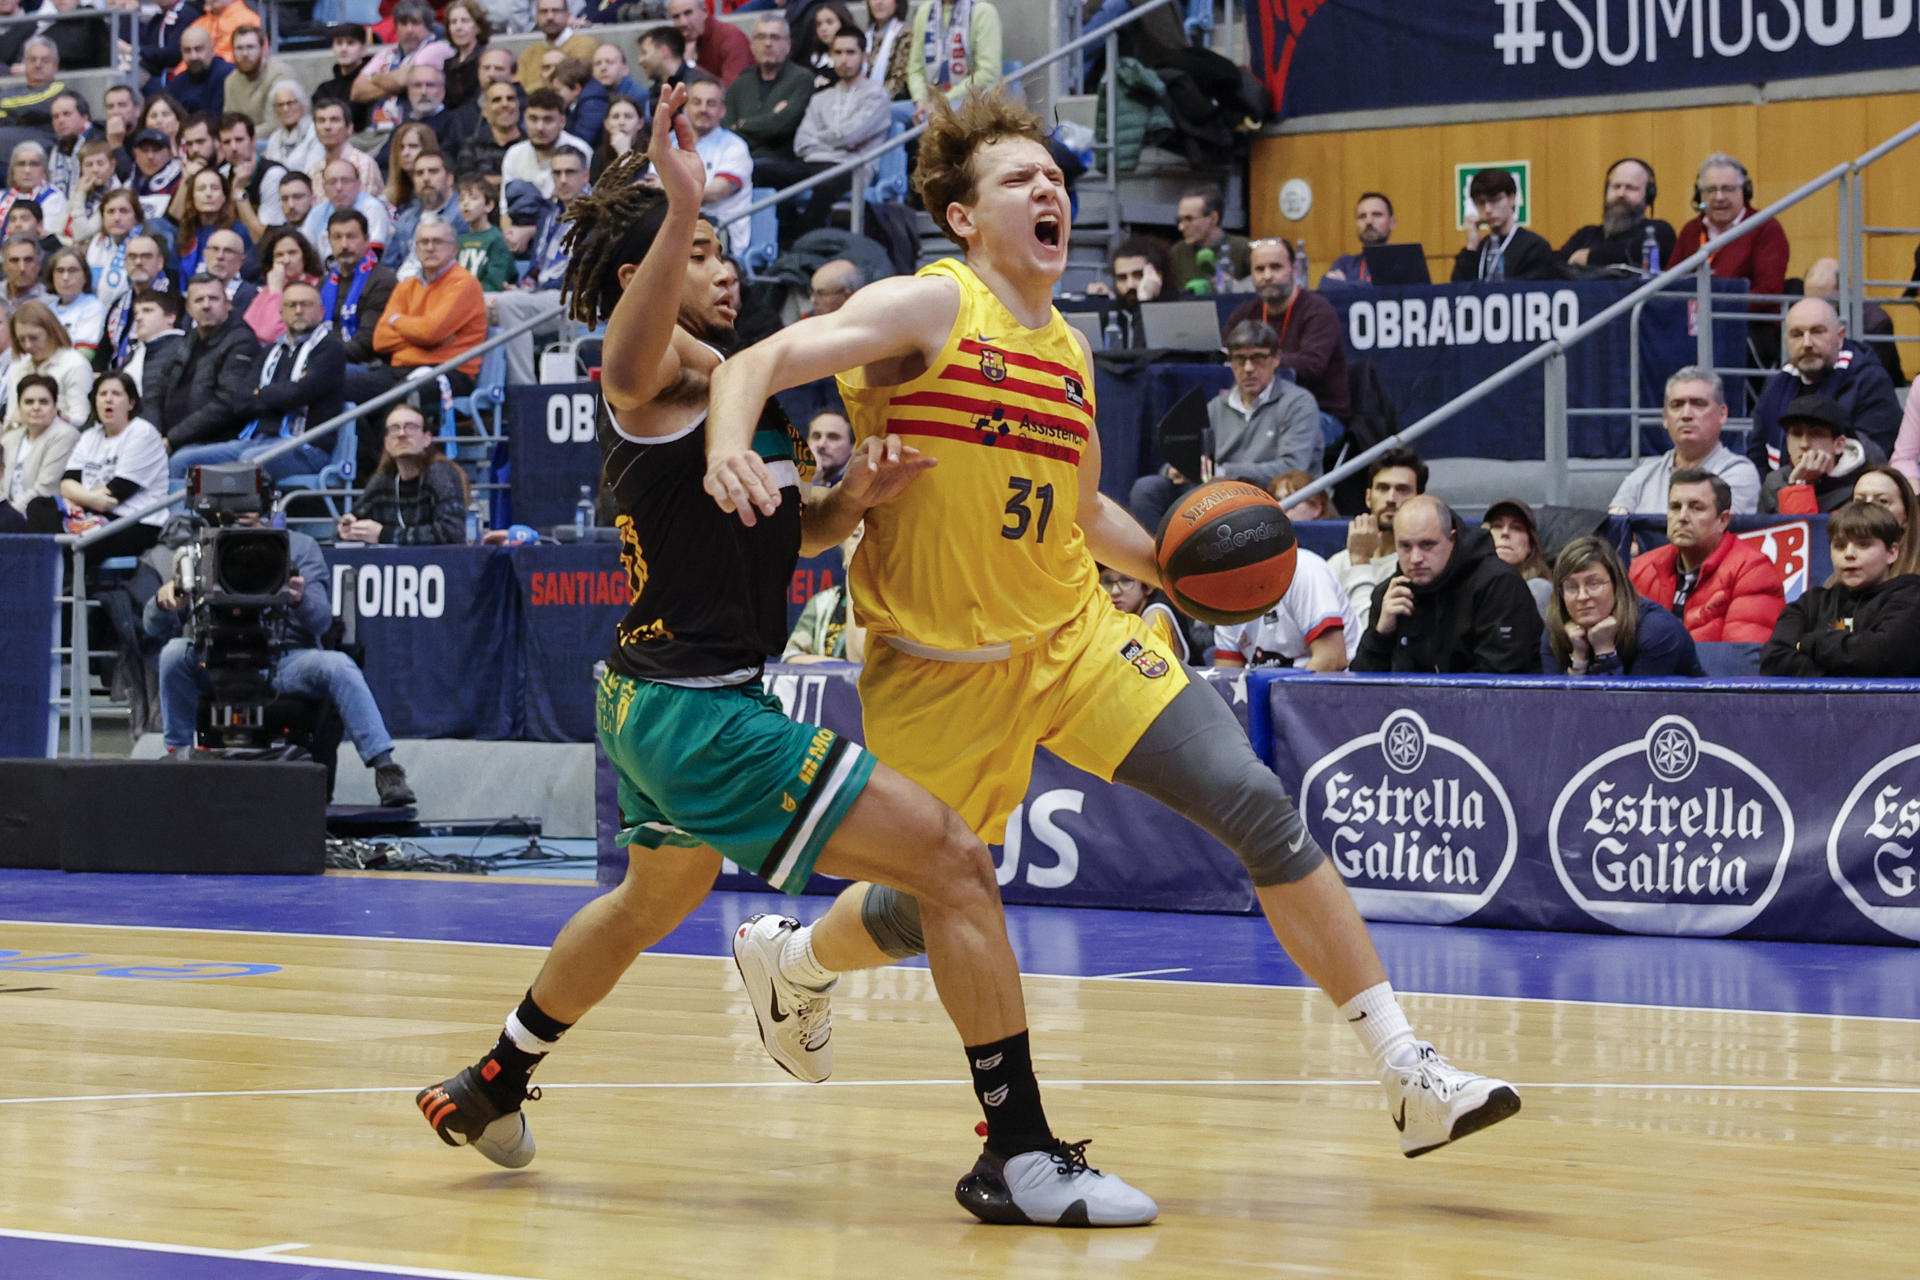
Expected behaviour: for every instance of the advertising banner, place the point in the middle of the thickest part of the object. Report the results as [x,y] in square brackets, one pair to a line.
[1320,56]
[1652,807]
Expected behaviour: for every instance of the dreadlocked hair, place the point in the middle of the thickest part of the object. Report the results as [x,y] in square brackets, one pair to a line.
[609,227]
[944,174]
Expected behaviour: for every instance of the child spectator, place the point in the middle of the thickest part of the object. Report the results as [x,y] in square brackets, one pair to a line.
[1867,624]
[1130,595]
[483,250]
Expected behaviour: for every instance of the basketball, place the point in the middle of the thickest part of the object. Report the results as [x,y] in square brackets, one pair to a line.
[1226,552]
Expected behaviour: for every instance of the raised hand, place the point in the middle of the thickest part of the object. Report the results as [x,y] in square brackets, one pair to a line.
[678,168]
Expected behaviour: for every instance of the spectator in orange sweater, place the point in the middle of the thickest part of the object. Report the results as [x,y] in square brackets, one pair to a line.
[429,319]
[1721,587]
[221,19]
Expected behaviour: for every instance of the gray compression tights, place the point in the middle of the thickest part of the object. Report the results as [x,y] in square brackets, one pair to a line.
[1194,759]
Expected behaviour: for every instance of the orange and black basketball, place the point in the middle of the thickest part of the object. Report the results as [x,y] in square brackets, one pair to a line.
[1227,552]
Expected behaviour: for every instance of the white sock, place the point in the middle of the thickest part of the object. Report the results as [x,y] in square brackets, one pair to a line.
[523,1039]
[1377,1018]
[798,964]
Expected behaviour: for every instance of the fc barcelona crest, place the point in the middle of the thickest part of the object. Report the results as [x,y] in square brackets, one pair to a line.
[993,365]
[1150,664]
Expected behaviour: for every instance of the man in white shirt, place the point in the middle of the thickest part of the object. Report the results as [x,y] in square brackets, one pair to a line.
[729,166]
[1370,558]
[1695,410]
[1314,626]
[531,158]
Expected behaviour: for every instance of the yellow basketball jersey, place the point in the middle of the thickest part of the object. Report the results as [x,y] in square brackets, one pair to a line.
[986,547]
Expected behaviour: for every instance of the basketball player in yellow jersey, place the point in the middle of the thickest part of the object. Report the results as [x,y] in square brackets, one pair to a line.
[988,631]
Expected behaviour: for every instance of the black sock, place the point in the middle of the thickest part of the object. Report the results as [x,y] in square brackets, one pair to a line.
[1003,1080]
[530,1033]
[381,761]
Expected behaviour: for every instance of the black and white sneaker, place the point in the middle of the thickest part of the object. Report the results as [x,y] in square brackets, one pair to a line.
[796,1022]
[1435,1103]
[464,1116]
[1052,1187]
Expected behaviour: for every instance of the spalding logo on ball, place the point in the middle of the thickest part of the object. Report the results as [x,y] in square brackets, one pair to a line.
[1227,552]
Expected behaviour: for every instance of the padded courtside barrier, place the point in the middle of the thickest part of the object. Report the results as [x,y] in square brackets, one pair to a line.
[205,818]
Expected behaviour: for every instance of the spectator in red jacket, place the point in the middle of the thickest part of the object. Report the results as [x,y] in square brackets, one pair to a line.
[1723,193]
[718,48]
[1721,587]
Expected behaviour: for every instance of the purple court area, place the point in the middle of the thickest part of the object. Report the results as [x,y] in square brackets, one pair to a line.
[30,1259]
[1677,972]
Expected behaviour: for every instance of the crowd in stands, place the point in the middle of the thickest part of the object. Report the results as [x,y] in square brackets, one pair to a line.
[208,262]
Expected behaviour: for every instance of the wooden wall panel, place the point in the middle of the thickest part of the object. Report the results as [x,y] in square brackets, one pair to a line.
[1784,144]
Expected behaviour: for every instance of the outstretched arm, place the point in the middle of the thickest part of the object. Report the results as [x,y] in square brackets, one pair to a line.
[888,320]
[638,361]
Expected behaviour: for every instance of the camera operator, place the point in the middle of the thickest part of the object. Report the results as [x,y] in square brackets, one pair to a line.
[302,668]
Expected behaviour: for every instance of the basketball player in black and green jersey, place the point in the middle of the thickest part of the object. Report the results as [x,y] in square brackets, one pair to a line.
[710,766]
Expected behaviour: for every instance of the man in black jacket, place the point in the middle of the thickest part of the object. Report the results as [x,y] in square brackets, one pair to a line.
[1868,622]
[209,401]
[1619,239]
[299,386]
[1498,247]
[1453,606]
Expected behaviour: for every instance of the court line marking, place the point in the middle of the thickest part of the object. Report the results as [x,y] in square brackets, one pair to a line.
[268,1250]
[1063,977]
[251,1255]
[1294,1083]
[1141,973]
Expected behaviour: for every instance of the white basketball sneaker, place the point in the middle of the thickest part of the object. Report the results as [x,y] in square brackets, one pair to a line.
[796,1022]
[1434,1103]
[1053,1187]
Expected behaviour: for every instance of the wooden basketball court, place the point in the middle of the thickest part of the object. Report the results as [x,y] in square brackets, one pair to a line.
[246,1098]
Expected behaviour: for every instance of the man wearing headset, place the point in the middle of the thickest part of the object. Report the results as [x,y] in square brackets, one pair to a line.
[1723,193]
[1620,238]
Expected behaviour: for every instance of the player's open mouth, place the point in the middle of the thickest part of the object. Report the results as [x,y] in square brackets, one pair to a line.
[1047,231]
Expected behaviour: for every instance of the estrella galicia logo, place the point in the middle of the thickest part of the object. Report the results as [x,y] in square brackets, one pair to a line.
[1671,833]
[1416,824]
[1076,392]
[1873,851]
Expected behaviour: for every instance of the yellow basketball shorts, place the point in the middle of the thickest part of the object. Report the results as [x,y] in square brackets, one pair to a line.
[966,731]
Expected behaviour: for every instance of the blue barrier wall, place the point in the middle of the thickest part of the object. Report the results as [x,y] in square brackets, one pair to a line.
[29,629]
[1664,807]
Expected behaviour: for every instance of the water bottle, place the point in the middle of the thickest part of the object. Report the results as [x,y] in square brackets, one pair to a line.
[583,513]
[1223,281]
[1650,252]
[1300,265]
[1110,332]
[476,521]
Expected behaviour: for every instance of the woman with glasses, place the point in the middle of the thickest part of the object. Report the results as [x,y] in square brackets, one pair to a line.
[78,307]
[1598,625]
